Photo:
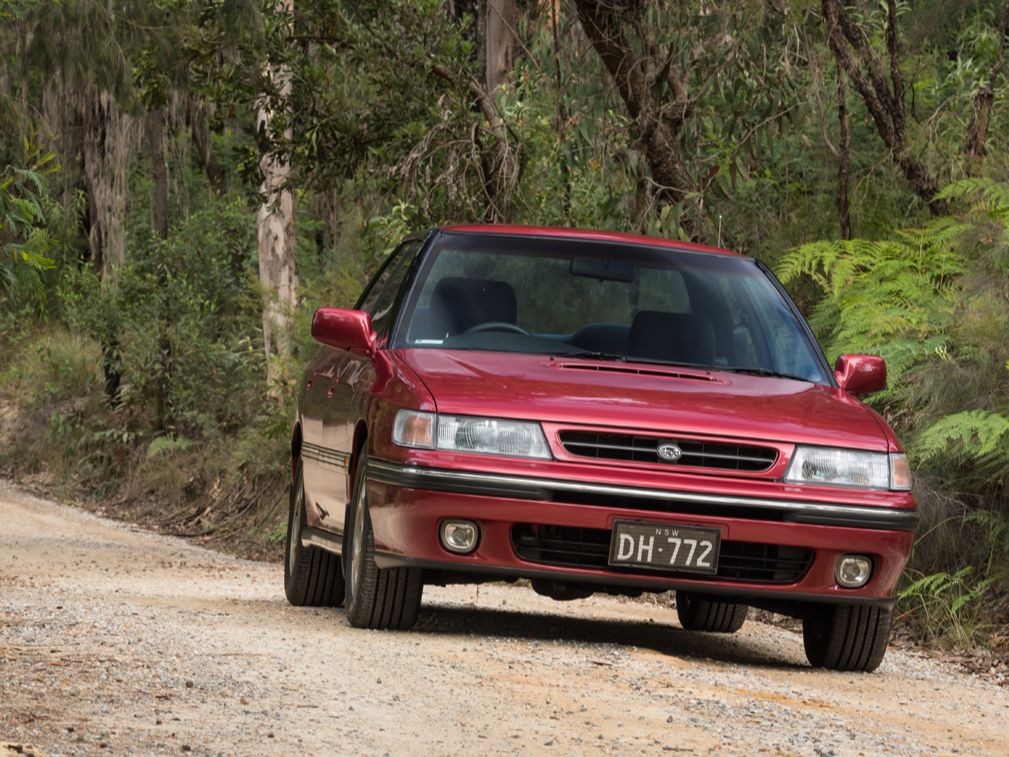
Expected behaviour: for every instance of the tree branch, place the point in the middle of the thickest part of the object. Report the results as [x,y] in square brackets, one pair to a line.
[975,146]
[885,105]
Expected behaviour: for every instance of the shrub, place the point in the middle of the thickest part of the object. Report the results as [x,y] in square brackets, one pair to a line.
[934,302]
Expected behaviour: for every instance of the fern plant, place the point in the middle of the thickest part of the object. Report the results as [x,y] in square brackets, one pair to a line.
[947,604]
[934,301]
[26,244]
[973,436]
[892,296]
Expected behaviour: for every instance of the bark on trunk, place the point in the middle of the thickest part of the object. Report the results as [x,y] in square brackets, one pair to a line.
[159,171]
[109,140]
[975,146]
[884,100]
[197,119]
[500,41]
[278,266]
[658,121]
[843,158]
[562,116]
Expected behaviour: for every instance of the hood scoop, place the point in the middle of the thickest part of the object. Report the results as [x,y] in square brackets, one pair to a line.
[697,374]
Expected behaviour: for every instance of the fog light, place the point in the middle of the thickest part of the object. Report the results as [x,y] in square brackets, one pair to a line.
[853,571]
[459,536]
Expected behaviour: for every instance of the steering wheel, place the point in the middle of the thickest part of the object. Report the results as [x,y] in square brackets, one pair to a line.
[497,326]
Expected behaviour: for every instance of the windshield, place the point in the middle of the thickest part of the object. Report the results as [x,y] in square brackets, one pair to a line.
[605,300]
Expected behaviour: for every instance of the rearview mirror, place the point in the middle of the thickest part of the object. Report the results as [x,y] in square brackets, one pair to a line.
[603,270]
[344,329]
[860,374]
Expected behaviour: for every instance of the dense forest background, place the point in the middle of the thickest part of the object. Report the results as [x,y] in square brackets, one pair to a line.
[184,181]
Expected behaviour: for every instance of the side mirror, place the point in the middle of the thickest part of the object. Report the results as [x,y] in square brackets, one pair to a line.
[860,374]
[344,329]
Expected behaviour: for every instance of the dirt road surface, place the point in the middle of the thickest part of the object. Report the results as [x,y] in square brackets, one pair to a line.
[114,640]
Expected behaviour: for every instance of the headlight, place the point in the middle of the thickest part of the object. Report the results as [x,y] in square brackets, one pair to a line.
[849,467]
[464,433]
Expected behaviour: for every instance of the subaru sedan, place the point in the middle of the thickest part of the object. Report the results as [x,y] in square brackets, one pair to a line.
[595,412]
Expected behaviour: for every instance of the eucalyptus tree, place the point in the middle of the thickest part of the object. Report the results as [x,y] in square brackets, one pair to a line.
[277,241]
[500,41]
[958,56]
[700,81]
[76,55]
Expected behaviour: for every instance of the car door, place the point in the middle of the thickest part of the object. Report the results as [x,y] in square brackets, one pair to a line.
[317,469]
[352,379]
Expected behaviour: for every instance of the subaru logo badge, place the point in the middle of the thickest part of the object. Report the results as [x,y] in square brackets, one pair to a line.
[669,452]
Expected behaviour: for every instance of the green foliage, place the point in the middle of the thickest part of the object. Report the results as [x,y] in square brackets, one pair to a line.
[948,604]
[894,296]
[197,287]
[27,244]
[167,445]
[57,366]
[976,436]
[935,302]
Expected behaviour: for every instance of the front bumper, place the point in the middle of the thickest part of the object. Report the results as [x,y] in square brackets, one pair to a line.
[407,504]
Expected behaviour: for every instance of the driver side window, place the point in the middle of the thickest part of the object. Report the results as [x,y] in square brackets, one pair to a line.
[380,299]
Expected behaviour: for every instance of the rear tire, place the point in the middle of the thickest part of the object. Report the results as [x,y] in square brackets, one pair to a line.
[698,612]
[846,637]
[312,576]
[376,598]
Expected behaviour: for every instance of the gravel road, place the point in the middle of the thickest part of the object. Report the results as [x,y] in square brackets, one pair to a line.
[117,640]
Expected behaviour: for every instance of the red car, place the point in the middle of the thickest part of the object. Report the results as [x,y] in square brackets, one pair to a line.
[595,411]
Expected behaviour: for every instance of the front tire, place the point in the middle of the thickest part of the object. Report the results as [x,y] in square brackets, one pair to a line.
[701,613]
[312,576]
[376,598]
[846,637]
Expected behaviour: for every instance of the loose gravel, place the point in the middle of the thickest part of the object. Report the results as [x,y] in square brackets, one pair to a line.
[114,640]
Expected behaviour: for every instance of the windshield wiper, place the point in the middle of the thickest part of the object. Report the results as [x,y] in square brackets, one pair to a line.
[765,372]
[593,355]
[619,358]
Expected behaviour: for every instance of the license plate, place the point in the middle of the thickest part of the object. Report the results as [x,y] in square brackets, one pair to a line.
[664,547]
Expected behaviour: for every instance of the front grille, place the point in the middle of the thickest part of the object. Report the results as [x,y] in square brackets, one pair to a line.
[572,547]
[644,449]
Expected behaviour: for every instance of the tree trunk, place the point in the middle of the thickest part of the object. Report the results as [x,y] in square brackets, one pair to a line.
[658,122]
[561,115]
[500,41]
[197,120]
[975,146]
[108,143]
[884,101]
[278,264]
[843,158]
[159,171]
[109,139]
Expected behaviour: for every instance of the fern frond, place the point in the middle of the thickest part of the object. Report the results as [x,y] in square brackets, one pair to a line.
[978,189]
[970,435]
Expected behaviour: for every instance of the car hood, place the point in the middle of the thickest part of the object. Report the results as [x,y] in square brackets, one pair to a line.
[645,397]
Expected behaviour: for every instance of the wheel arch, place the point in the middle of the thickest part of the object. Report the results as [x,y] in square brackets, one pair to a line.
[358,447]
[295,448]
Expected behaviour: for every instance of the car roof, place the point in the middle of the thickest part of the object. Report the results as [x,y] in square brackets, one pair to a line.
[589,235]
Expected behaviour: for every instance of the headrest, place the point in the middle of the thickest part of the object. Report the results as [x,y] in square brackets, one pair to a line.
[677,337]
[464,303]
